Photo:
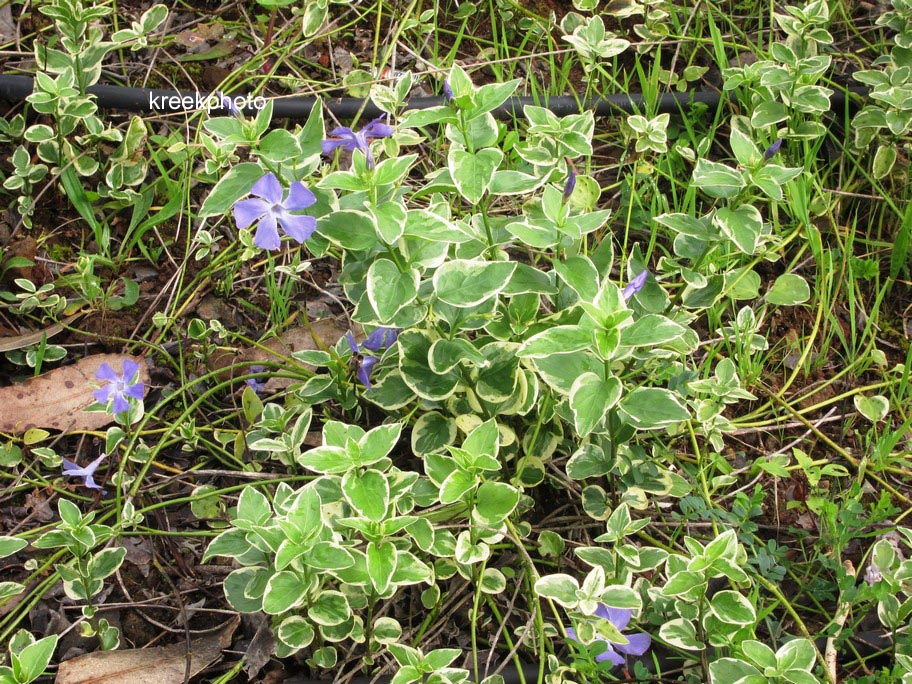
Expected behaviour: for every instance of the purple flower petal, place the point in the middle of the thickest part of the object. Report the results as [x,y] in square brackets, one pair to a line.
[571,634]
[770,151]
[249,210]
[130,369]
[330,145]
[269,188]
[637,646]
[448,91]
[571,184]
[105,372]
[267,233]
[298,227]
[380,338]
[69,465]
[619,617]
[121,405]
[366,369]
[299,197]
[635,285]
[611,655]
[377,129]
[136,391]
[353,345]
[103,394]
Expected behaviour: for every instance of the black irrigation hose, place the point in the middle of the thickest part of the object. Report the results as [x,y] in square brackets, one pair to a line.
[17,88]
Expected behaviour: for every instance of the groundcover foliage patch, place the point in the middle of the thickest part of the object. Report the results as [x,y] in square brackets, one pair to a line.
[463,389]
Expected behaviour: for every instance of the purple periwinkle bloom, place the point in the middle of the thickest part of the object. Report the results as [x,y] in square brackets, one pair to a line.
[271,208]
[772,149]
[71,469]
[347,139]
[256,384]
[379,338]
[637,644]
[119,386]
[225,102]
[571,184]
[872,575]
[635,285]
[448,91]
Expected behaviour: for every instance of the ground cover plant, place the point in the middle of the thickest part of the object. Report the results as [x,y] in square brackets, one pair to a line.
[470,391]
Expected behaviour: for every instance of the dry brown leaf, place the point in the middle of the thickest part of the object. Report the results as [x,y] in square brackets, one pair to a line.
[160,665]
[327,330]
[55,400]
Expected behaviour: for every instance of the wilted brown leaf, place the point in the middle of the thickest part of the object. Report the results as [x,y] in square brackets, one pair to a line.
[55,400]
[161,665]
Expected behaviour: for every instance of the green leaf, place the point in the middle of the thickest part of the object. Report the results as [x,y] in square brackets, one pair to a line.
[797,654]
[106,562]
[683,582]
[253,506]
[472,173]
[330,608]
[389,290]
[717,180]
[733,608]
[424,224]
[466,283]
[352,230]
[557,340]
[295,632]
[581,276]
[381,561]
[873,408]
[432,433]
[456,484]
[653,407]
[621,596]
[10,545]
[650,330]
[742,226]
[492,581]
[759,653]
[415,349]
[230,188]
[484,440]
[284,591]
[590,400]
[682,634]
[386,630]
[588,461]
[494,501]
[389,218]
[734,671]
[34,658]
[560,588]
[244,589]
[367,492]
[789,290]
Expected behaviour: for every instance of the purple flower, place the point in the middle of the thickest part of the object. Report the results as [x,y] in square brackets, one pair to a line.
[227,103]
[347,139]
[872,575]
[635,285]
[70,468]
[637,643]
[448,91]
[379,338]
[772,149]
[119,386]
[271,209]
[256,384]
[571,184]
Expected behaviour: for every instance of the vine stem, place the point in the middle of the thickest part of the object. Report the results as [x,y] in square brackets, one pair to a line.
[775,591]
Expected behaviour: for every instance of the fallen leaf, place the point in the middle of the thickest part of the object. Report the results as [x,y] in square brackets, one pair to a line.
[11,342]
[55,400]
[160,665]
[327,331]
